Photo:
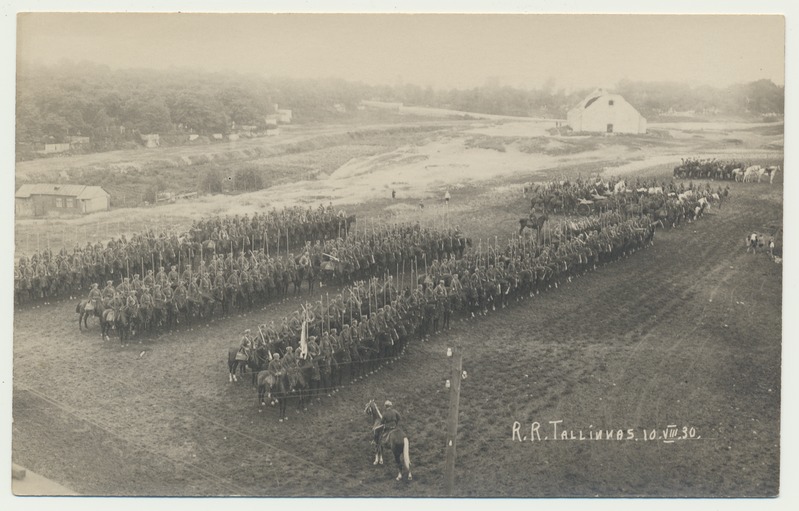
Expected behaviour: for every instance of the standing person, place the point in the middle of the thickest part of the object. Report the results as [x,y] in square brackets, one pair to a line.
[446,198]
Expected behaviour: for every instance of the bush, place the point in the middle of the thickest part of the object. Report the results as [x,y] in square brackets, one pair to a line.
[249,179]
[212,182]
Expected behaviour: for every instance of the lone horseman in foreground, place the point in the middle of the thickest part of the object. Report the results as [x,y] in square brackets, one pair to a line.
[393,439]
[390,420]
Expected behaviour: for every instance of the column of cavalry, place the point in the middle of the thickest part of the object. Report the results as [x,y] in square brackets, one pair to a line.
[369,324]
[669,202]
[729,170]
[255,277]
[47,275]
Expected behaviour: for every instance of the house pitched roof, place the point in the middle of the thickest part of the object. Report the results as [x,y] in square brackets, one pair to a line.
[79,191]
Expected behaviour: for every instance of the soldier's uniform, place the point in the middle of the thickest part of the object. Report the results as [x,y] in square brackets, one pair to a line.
[276,366]
[245,346]
[124,287]
[136,284]
[173,277]
[159,300]
[149,280]
[95,296]
[108,294]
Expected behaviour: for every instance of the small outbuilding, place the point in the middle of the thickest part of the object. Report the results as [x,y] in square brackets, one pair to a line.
[40,199]
[602,112]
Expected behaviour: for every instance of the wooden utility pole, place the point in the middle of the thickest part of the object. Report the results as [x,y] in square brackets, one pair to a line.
[456,370]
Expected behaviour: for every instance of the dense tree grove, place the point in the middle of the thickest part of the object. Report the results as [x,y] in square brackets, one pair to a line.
[113,107]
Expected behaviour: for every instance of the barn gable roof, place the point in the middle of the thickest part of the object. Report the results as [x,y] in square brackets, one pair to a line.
[79,191]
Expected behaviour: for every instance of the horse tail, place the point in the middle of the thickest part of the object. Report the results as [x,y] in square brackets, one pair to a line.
[406,457]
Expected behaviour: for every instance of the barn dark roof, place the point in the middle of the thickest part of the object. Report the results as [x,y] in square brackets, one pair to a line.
[588,103]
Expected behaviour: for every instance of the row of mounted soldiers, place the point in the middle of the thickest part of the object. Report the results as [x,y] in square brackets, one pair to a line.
[371,321]
[49,275]
[166,298]
[707,168]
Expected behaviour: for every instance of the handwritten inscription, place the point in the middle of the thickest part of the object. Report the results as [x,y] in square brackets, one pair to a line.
[556,431]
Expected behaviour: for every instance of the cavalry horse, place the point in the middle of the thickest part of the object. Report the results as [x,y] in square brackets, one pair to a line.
[85,310]
[280,389]
[535,223]
[396,440]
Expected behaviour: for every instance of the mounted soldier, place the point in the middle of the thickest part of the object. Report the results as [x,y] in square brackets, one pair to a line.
[108,293]
[149,279]
[95,298]
[173,277]
[136,284]
[245,347]
[390,420]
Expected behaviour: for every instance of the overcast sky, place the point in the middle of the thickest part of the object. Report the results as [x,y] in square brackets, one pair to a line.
[445,50]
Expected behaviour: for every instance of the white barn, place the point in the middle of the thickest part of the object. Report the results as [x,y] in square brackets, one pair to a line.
[602,112]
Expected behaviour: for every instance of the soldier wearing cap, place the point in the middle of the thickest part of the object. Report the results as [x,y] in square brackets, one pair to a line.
[108,293]
[276,366]
[245,346]
[159,300]
[290,359]
[95,296]
[124,287]
[391,418]
[313,347]
[149,279]
[161,277]
[173,277]
[136,284]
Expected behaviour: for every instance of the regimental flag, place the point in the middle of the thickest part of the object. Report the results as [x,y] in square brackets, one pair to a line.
[304,338]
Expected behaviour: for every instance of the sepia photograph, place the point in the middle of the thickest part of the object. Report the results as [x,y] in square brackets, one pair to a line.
[505,255]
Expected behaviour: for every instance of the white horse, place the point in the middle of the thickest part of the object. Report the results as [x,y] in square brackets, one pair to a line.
[770,172]
[752,174]
[738,174]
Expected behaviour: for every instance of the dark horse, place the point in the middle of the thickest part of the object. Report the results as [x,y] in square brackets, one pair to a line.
[235,362]
[84,314]
[280,388]
[535,223]
[396,440]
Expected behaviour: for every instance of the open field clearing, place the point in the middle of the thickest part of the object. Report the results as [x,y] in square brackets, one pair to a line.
[683,334]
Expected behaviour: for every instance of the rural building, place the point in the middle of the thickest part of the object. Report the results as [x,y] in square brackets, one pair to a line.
[271,120]
[78,140]
[55,148]
[602,112]
[383,105]
[151,139]
[39,199]
[233,137]
[284,115]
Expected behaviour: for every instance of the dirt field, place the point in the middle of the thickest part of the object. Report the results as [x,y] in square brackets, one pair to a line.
[686,333]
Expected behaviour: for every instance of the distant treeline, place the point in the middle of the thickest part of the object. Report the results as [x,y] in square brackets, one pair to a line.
[113,107]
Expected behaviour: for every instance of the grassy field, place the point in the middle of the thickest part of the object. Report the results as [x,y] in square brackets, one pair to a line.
[684,333]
